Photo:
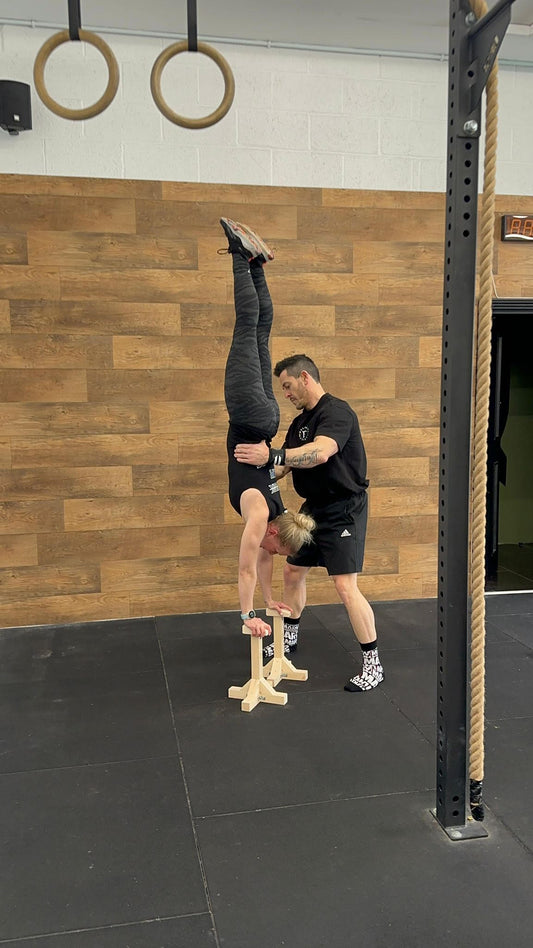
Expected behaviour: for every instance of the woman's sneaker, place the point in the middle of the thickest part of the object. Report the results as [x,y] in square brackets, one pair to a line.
[244,241]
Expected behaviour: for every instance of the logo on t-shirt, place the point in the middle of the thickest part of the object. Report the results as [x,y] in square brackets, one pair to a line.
[303,433]
[273,488]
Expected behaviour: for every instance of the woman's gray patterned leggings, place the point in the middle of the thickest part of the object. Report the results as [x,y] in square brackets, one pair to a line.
[248,389]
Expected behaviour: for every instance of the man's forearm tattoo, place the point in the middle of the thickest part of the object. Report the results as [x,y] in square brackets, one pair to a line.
[304,460]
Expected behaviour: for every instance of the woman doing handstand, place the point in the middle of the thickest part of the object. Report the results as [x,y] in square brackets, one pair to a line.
[253,417]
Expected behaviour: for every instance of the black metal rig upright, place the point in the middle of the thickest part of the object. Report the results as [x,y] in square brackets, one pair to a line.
[473,47]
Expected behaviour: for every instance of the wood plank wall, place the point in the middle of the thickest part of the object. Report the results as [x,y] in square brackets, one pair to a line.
[115,321]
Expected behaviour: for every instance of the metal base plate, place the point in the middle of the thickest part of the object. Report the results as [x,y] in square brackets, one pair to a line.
[472,829]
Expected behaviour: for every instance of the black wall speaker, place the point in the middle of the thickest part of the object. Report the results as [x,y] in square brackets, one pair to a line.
[15,106]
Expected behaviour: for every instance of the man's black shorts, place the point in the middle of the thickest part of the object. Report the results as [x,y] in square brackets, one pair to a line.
[339,537]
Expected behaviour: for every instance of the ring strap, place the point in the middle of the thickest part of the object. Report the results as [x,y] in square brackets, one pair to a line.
[74,19]
[192,26]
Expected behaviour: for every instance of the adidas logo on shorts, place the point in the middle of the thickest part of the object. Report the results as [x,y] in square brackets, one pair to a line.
[346,533]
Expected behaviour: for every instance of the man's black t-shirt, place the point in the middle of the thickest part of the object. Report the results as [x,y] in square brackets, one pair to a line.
[344,474]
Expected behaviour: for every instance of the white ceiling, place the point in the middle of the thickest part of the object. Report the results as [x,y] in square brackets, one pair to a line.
[416,26]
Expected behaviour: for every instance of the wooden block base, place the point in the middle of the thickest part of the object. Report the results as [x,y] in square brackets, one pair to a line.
[254,691]
[280,666]
[257,689]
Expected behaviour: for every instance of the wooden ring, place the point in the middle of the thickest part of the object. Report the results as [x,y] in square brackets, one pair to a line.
[38,75]
[155,85]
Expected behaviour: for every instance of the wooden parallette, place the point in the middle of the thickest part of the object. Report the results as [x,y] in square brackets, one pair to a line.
[279,666]
[257,688]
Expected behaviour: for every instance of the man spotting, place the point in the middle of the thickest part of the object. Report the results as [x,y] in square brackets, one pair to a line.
[324,449]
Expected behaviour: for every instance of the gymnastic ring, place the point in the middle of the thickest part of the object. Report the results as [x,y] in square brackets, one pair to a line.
[155,85]
[38,75]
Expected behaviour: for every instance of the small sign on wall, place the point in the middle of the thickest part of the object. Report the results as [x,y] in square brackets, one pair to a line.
[517,227]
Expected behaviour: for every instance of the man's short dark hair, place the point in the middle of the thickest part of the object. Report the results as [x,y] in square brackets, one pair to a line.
[297,364]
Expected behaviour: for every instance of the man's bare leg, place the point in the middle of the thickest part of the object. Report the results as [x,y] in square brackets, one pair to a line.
[363,624]
[358,608]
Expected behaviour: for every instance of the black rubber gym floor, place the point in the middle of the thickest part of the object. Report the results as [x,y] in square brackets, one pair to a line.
[141,808]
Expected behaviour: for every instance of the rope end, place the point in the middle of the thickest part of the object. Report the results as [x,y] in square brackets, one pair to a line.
[476,800]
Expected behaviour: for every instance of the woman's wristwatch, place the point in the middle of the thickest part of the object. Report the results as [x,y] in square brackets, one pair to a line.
[248,615]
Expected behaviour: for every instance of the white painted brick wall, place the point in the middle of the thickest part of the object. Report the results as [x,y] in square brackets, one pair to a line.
[299,118]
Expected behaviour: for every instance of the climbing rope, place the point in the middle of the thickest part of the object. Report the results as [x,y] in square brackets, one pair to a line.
[482,367]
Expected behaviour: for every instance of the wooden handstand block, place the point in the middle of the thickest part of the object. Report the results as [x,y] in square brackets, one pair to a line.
[257,689]
[279,666]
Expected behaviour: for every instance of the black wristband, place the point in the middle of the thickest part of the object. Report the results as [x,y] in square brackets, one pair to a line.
[277,456]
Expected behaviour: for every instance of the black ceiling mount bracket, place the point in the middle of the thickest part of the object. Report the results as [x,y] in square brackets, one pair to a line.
[485,38]
[474,45]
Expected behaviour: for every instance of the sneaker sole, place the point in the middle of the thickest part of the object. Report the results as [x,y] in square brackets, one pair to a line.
[250,241]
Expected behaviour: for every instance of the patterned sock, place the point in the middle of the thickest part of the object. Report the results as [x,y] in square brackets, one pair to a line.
[290,634]
[290,639]
[372,671]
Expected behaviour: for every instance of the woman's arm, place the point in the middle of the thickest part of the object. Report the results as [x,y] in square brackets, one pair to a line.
[255,513]
[264,572]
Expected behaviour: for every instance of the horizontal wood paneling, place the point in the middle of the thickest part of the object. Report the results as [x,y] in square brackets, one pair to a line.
[5,454]
[161,286]
[430,351]
[13,248]
[335,197]
[32,582]
[142,512]
[18,551]
[340,353]
[399,472]
[97,251]
[94,449]
[394,501]
[29,517]
[419,558]
[151,385]
[37,483]
[45,212]
[402,442]
[80,187]
[43,385]
[369,222]
[28,283]
[200,319]
[32,419]
[103,318]
[225,195]
[164,352]
[116,315]
[52,351]
[79,607]
[192,418]
[399,411]
[5,322]
[398,320]
[201,220]
[97,546]
[203,478]
[151,576]
[321,288]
